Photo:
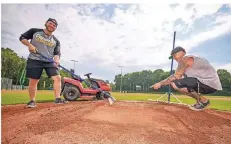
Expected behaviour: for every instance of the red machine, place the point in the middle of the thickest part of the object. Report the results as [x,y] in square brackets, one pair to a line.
[72,88]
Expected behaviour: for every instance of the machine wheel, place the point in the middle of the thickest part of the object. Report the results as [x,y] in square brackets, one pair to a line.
[99,96]
[105,96]
[71,93]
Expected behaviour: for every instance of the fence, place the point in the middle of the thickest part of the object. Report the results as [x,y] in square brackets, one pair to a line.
[7,84]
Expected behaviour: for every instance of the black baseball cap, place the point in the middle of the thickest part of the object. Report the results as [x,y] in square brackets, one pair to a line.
[52,20]
[176,50]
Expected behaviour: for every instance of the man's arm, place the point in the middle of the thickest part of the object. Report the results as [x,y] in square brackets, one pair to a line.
[57,51]
[178,74]
[26,36]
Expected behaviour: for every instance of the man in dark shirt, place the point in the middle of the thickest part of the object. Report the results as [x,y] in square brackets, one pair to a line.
[42,41]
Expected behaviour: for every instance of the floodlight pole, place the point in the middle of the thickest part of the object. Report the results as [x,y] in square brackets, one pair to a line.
[121,78]
[169,88]
[74,63]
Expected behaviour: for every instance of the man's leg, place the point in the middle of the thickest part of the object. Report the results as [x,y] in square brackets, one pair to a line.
[189,86]
[57,85]
[54,74]
[192,94]
[33,72]
[32,88]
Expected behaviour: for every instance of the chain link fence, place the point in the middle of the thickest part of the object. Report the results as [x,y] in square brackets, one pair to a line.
[6,84]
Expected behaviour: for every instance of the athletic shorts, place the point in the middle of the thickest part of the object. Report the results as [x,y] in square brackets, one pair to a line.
[34,69]
[191,84]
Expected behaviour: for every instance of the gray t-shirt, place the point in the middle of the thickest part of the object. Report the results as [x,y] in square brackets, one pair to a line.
[45,44]
[204,72]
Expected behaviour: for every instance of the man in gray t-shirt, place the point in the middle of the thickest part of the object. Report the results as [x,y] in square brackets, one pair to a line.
[42,41]
[194,76]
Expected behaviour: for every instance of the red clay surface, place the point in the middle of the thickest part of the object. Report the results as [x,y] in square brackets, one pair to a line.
[124,122]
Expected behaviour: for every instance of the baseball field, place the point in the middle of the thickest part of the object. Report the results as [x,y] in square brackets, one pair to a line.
[131,119]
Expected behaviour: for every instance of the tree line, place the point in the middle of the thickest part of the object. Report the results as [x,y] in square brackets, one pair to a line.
[13,66]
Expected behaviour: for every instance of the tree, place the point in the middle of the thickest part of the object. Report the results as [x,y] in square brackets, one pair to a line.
[12,65]
[225,78]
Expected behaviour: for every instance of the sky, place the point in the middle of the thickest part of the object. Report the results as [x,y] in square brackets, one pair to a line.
[138,37]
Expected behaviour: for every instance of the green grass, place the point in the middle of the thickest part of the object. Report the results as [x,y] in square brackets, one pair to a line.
[215,103]
[19,97]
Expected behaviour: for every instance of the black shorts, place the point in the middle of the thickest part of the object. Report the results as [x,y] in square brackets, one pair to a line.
[191,84]
[34,69]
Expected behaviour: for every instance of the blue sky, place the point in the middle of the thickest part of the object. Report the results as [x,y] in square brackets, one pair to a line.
[138,36]
[217,50]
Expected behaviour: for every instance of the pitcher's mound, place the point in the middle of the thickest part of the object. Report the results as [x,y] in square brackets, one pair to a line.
[123,122]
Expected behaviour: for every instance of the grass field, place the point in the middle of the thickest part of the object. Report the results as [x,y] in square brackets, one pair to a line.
[17,97]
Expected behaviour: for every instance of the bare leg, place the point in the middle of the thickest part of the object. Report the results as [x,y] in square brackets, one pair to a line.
[193,94]
[33,88]
[57,85]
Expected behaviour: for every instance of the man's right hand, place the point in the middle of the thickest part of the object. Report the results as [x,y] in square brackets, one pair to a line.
[32,48]
[156,86]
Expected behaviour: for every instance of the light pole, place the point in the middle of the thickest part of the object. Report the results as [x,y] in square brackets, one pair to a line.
[148,88]
[121,78]
[129,82]
[74,63]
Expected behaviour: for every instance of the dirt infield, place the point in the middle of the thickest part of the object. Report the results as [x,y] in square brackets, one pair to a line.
[122,123]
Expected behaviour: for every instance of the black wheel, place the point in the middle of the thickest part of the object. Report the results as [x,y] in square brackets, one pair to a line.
[62,86]
[106,95]
[102,96]
[99,96]
[71,93]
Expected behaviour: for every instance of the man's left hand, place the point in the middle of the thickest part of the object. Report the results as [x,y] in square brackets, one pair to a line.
[57,62]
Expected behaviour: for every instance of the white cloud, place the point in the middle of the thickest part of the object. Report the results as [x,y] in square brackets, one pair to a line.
[212,33]
[205,9]
[138,37]
[226,66]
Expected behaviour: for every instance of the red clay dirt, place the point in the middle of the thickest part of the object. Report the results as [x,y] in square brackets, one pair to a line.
[96,122]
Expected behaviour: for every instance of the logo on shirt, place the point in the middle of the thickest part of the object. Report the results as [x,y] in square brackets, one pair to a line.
[45,41]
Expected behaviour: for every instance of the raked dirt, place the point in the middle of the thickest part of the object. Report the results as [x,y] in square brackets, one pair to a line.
[96,122]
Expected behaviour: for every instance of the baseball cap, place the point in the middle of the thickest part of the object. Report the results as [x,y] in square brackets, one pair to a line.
[53,20]
[176,50]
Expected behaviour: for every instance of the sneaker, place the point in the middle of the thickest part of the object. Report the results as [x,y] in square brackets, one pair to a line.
[197,107]
[60,101]
[206,104]
[200,106]
[31,104]
[193,105]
